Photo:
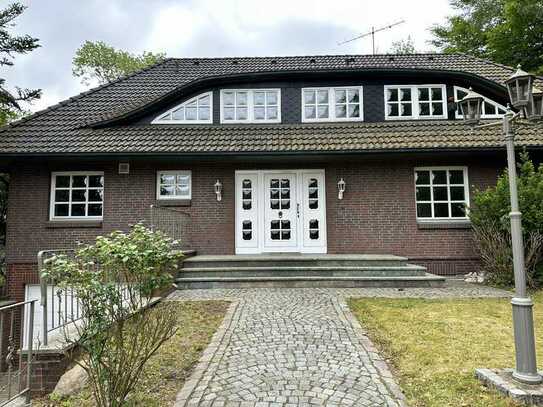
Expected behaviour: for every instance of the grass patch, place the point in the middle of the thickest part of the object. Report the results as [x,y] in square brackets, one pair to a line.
[434,346]
[165,373]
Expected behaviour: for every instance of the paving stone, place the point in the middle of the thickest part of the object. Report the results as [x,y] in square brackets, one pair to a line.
[299,347]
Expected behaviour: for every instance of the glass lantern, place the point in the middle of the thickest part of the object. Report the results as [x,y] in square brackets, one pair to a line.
[471,106]
[534,109]
[519,86]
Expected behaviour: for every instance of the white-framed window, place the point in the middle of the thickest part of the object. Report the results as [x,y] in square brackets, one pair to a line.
[490,109]
[442,193]
[77,195]
[198,110]
[415,102]
[250,105]
[343,103]
[174,185]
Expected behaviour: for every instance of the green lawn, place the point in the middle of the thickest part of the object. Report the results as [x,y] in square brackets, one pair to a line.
[165,373]
[434,346]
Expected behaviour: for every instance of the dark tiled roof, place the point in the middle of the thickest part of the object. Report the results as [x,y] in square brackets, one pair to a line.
[355,137]
[62,128]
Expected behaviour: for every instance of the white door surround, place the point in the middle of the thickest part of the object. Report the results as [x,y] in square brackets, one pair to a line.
[280,211]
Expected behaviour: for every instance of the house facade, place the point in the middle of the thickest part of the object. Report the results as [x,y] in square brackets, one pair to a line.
[310,154]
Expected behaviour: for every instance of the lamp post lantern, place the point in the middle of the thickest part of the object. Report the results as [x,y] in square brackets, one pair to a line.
[519,87]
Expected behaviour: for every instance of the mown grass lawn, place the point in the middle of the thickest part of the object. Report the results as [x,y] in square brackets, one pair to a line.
[434,346]
[165,373]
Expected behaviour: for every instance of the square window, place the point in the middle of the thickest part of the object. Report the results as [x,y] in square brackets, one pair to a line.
[174,185]
[73,195]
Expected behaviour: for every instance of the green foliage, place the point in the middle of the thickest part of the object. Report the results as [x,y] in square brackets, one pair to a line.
[99,61]
[505,31]
[405,46]
[489,214]
[114,280]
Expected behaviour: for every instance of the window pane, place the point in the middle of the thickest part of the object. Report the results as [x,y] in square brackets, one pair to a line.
[167,190]
[183,179]
[437,109]
[424,109]
[96,181]
[458,210]
[439,177]
[457,194]
[310,112]
[228,113]
[96,195]
[424,210]
[62,195]
[260,113]
[61,210]
[228,98]
[241,113]
[437,94]
[241,98]
[272,113]
[424,94]
[456,177]
[95,210]
[323,112]
[341,96]
[423,194]
[191,113]
[204,101]
[393,110]
[179,114]
[392,95]
[260,98]
[440,194]
[271,98]
[322,96]
[204,113]
[62,181]
[78,210]
[79,195]
[441,210]
[405,94]
[79,181]
[309,97]
[354,110]
[406,109]
[353,96]
[422,177]
[489,109]
[182,190]
[341,111]
[168,179]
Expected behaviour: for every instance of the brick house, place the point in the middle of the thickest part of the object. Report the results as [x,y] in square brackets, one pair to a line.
[275,139]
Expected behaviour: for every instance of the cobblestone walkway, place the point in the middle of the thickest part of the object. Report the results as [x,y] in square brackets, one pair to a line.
[296,347]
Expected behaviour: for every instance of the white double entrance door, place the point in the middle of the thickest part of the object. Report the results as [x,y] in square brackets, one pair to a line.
[280,211]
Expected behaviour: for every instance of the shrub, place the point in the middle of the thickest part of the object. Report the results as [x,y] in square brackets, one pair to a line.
[489,214]
[114,279]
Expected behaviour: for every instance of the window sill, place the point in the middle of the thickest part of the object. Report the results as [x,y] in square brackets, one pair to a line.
[173,202]
[444,225]
[54,224]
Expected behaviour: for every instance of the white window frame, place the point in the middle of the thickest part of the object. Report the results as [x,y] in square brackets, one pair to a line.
[415,102]
[464,219]
[250,106]
[185,121]
[160,197]
[332,104]
[459,115]
[52,201]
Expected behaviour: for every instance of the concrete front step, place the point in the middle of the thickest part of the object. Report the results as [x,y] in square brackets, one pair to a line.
[295,260]
[428,280]
[300,271]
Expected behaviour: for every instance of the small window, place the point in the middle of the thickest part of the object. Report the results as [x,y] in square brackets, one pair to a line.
[415,102]
[77,195]
[197,110]
[174,185]
[251,106]
[490,109]
[332,104]
[441,193]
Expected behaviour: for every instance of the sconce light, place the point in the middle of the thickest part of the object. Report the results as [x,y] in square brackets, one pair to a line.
[218,190]
[341,188]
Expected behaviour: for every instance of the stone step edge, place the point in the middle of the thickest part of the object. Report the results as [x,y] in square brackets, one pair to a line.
[303,268]
[426,277]
[301,258]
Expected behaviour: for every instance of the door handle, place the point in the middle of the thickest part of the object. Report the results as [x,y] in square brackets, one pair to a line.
[298,210]
[280,214]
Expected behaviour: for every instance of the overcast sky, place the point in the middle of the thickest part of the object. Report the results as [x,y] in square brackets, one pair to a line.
[189,28]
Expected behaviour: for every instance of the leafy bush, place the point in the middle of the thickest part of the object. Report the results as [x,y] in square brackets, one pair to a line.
[115,279]
[489,214]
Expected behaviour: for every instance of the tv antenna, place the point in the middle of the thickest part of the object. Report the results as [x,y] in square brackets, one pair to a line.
[372,33]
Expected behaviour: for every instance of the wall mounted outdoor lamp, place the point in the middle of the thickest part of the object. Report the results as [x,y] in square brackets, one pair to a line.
[218,190]
[528,99]
[341,188]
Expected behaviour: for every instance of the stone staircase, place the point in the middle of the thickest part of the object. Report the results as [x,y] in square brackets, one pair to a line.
[303,270]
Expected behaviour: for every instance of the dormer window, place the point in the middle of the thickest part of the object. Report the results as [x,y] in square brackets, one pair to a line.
[490,109]
[404,102]
[197,110]
[250,106]
[332,104]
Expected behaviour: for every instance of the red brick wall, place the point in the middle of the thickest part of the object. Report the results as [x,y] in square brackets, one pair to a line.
[377,214]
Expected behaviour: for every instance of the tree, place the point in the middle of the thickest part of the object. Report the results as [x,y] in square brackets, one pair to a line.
[101,62]
[404,46]
[9,46]
[114,280]
[509,32]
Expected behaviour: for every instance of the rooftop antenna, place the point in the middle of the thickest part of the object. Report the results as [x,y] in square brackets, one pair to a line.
[372,33]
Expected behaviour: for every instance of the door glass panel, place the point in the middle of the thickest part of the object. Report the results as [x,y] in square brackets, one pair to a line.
[246,194]
[314,229]
[313,193]
[247,230]
[280,230]
[279,193]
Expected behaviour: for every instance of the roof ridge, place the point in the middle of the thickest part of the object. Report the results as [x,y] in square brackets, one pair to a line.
[308,56]
[490,62]
[82,94]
